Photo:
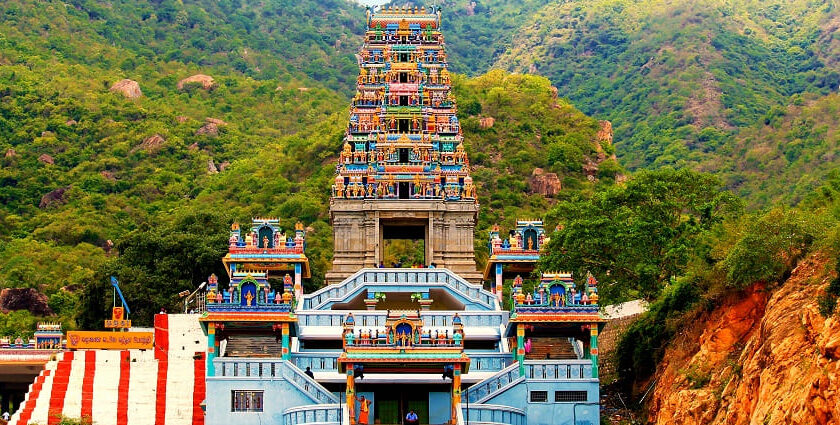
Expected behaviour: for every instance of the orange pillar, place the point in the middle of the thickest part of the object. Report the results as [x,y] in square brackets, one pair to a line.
[350,394]
[456,392]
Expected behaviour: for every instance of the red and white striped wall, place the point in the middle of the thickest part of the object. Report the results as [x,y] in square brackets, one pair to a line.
[164,386]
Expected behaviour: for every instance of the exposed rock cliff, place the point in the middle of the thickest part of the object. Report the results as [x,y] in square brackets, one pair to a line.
[206,82]
[763,357]
[128,88]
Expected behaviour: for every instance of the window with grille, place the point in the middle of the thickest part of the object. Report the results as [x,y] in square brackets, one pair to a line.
[246,401]
[568,396]
[539,396]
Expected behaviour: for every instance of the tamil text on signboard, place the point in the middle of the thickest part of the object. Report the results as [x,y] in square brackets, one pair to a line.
[110,340]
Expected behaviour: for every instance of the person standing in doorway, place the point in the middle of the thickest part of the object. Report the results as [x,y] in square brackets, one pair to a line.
[364,410]
[411,418]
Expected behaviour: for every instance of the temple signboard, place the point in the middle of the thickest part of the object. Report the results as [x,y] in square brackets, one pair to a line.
[110,340]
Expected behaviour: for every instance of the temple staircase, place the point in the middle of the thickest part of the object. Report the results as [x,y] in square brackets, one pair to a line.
[122,387]
[492,386]
[551,349]
[475,296]
[253,346]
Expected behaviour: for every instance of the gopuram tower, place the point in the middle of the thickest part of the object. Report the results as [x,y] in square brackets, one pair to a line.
[403,172]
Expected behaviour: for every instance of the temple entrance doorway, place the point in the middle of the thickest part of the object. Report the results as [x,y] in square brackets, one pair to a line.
[431,403]
[403,244]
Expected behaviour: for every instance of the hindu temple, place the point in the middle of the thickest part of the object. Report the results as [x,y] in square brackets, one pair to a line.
[437,343]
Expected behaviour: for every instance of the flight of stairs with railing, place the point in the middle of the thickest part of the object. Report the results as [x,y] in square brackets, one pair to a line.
[543,348]
[373,278]
[122,387]
[244,345]
[474,401]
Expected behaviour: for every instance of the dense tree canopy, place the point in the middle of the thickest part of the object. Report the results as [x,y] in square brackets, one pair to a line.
[636,238]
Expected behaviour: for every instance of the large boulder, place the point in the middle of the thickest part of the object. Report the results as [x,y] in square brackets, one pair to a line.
[486,122]
[151,144]
[128,88]
[54,197]
[206,82]
[546,184]
[210,127]
[12,299]
[46,159]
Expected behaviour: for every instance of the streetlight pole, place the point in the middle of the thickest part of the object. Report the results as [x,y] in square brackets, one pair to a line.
[189,297]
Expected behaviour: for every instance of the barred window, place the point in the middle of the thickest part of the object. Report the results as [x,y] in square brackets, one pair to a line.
[569,396]
[539,396]
[246,401]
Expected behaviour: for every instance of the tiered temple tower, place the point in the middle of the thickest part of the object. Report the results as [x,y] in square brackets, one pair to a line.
[403,171]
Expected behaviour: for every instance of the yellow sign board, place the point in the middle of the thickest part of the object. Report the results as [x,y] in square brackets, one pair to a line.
[118,324]
[110,340]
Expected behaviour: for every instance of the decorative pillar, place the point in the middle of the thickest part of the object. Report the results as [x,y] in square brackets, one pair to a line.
[370,303]
[593,348]
[456,393]
[350,394]
[499,280]
[520,347]
[211,348]
[298,285]
[284,338]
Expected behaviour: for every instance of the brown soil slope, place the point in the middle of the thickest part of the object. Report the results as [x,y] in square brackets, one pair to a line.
[762,357]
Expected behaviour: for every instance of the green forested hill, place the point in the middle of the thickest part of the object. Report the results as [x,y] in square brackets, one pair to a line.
[683,82]
[83,165]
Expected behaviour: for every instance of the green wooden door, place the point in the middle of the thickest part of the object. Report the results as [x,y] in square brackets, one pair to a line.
[387,411]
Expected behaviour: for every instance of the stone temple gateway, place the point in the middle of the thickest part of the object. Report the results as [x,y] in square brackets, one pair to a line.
[378,344]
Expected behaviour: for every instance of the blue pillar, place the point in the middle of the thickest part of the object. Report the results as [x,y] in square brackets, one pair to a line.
[499,279]
[211,348]
[298,285]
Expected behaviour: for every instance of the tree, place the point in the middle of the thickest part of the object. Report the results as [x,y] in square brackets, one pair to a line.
[636,238]
[156,263]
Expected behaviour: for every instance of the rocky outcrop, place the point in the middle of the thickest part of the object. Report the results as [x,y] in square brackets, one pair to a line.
[128,88]
[546,184]
[486,122]
[758,358]
[12,299]
[151,144]
[11,153]
[605,132]
[46,159]
[206,82]
[223,166]
[211,167]
[181,119]
[108,175]
[210,127]
[55,197]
